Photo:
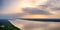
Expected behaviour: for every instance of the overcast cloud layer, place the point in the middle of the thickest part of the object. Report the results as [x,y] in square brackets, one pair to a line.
[46,8]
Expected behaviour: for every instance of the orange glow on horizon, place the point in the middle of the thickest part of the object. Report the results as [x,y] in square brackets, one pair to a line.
[35,16]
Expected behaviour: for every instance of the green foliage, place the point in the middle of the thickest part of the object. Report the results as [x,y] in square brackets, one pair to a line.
[6,25]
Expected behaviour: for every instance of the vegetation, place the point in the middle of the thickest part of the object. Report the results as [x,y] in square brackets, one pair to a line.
[6,25]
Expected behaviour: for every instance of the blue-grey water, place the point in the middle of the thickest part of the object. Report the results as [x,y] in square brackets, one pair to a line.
[31,24]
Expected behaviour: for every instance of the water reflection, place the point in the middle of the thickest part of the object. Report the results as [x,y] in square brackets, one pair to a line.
[35,25]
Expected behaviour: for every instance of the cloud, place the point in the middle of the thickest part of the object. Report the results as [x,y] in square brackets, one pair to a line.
[54,5]
[36,11]
[56,8]
[12,7]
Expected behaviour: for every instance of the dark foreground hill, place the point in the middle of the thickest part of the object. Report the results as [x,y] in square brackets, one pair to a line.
[6,25]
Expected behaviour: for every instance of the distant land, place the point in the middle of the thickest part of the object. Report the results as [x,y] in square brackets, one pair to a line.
[42,19]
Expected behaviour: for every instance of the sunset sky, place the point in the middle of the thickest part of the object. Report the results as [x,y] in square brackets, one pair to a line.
[30,9]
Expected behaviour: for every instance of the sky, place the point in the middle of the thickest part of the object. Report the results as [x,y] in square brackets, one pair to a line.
[30,9]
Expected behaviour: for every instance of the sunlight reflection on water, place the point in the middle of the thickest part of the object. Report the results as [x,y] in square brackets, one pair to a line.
[34,25]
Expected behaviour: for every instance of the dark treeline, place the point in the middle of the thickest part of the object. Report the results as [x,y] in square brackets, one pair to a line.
[46,20]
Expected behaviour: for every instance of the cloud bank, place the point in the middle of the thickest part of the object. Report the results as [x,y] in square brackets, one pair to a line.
[36,11]
[48,8]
